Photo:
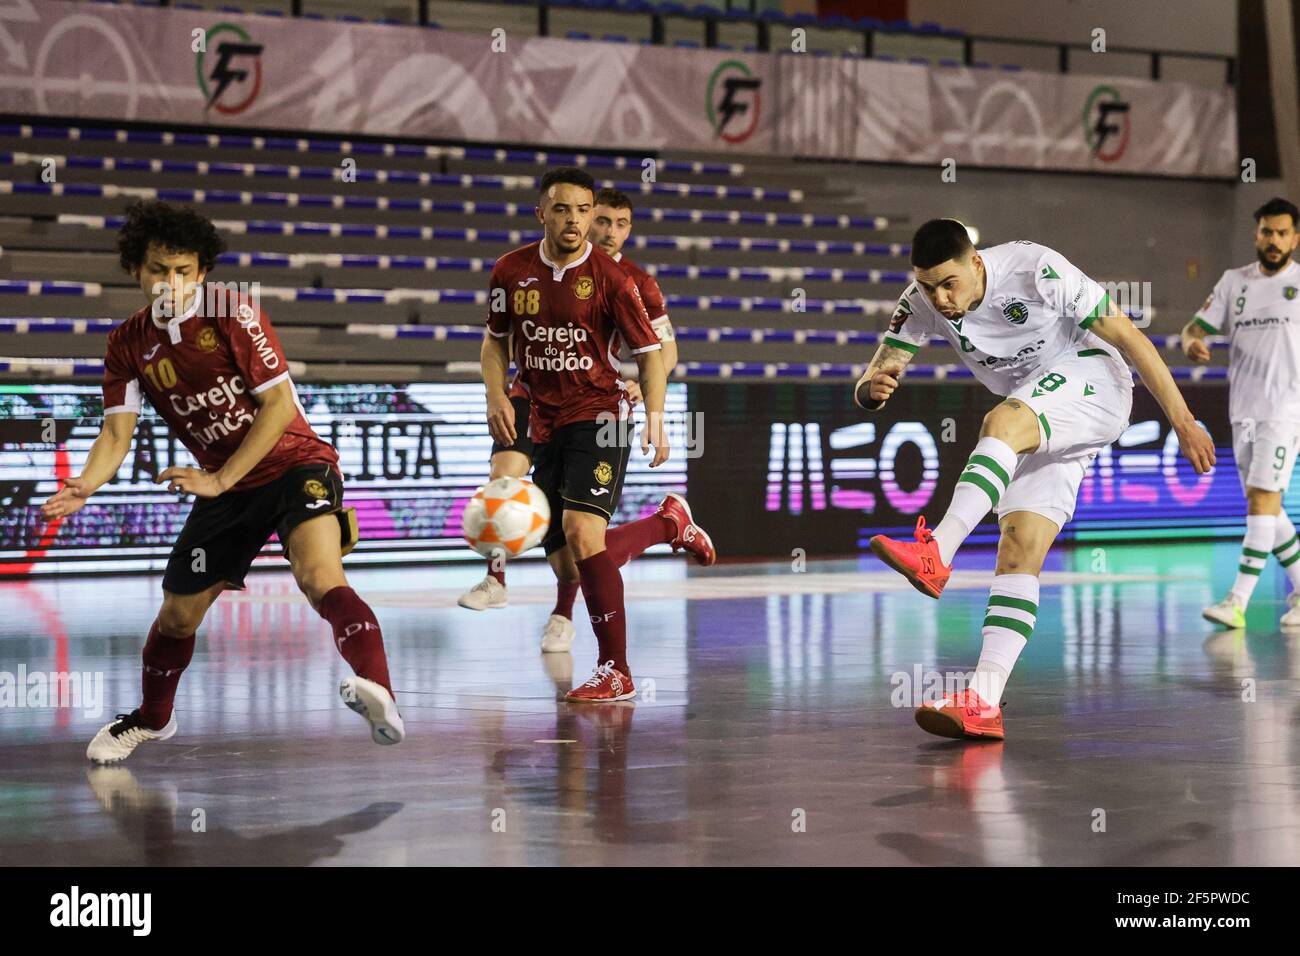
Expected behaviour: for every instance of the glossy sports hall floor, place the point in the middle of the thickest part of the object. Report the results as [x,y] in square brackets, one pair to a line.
[1136,734]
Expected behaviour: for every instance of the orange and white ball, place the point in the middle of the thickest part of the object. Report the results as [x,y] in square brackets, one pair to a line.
[508,515]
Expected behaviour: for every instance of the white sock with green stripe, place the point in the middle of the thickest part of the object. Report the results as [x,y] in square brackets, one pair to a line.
[1286,546]
[1008,622]
[1254,554]
[982,483]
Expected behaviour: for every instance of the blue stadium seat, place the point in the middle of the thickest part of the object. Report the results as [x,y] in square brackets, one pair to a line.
[981,65]
[614,38]
[687,44]
[577,35]
[1012,67]
[886,57]
[949,63]
[919,60]
[868,23]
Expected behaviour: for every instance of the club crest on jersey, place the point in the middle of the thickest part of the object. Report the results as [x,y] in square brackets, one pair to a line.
[207,340]
[583,287]
[1015,312]
[316,489]
[1288,293]
[604,473]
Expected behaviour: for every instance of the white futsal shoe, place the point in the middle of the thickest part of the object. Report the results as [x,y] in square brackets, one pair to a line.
[1229,612]
[118,740]
[372,702]
[486,594]
[557,635]
[1292,617]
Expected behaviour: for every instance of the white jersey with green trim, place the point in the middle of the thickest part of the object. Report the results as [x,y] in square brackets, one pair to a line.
[1260,314]
[1035,313]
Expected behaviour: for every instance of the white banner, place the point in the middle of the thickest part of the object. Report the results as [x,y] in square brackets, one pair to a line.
[72,60]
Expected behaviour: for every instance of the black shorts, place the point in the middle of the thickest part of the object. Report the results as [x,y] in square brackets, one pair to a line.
[523,444]
[582,468]
[223,535]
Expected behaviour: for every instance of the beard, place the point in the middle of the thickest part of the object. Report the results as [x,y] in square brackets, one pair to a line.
[1273,265]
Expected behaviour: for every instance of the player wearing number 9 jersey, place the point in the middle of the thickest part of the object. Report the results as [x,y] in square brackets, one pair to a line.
[210,364]
[1037,331]
[1258,308]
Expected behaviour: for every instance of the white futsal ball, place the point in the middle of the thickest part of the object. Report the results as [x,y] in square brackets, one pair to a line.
[509,514]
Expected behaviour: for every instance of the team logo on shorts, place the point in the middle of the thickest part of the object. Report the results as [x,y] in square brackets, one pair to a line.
[584,287]
[1289,292]
[207,340]
[1015,312]
[604,473]
[316,489]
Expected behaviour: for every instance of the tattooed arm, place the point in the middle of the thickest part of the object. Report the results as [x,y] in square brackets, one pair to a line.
[881,377]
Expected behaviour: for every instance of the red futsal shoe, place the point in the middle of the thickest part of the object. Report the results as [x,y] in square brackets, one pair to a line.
[605,684]
[917,561]
[690,536]
[961,715]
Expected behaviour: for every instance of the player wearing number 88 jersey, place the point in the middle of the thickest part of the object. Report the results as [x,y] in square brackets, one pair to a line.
[1258,307]
[1037,331]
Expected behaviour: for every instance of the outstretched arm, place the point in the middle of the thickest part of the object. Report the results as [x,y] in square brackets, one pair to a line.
[105,458]
[1118,329]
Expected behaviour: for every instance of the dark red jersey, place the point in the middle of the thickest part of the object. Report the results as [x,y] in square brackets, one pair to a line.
[201,371]
[651,294]
[568,325]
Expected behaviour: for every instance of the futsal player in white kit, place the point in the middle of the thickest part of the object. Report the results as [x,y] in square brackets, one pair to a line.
[1034,329]
[1258,307]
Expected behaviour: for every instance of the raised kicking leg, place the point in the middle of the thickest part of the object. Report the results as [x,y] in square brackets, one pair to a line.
[1009,430]
[316,559]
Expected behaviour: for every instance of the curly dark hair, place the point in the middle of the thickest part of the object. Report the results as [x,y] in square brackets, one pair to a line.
[175,228]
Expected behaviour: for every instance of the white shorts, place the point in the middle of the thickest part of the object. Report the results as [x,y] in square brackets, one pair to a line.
[1081,408]
[1265,453]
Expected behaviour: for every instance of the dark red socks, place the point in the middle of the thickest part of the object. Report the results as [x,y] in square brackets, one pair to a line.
[565,592]
[356,635]
[628,540]
[602,589]
[165,658]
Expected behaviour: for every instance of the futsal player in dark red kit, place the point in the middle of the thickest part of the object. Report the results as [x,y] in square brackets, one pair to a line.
[570,307]
[209,362]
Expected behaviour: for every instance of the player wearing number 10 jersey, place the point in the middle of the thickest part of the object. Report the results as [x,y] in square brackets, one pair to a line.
[1040,333]
[212,367]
